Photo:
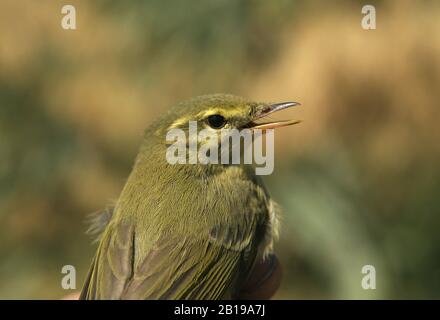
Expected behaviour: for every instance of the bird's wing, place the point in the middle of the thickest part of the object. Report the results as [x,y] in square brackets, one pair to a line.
[174,267]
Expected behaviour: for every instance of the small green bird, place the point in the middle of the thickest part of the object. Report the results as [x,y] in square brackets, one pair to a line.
[187,231]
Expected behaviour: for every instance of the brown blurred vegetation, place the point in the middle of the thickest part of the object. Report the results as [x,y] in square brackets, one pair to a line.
[359,179]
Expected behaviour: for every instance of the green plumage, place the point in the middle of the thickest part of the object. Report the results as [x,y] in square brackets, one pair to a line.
[184,231]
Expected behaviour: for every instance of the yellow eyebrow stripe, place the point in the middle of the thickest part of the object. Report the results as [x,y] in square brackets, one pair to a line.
[201,115]
[178,123]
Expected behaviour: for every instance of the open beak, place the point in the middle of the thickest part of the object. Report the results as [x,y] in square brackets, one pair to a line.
[266,110]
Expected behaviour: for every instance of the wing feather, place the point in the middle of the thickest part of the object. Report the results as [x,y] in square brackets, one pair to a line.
[173,268]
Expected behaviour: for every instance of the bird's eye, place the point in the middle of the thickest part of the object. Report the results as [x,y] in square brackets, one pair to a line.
[216,121]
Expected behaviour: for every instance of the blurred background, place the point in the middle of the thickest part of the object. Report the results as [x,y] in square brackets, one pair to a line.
[359,179]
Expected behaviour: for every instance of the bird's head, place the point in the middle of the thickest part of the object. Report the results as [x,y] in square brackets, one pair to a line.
[213,115]
[224,111]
